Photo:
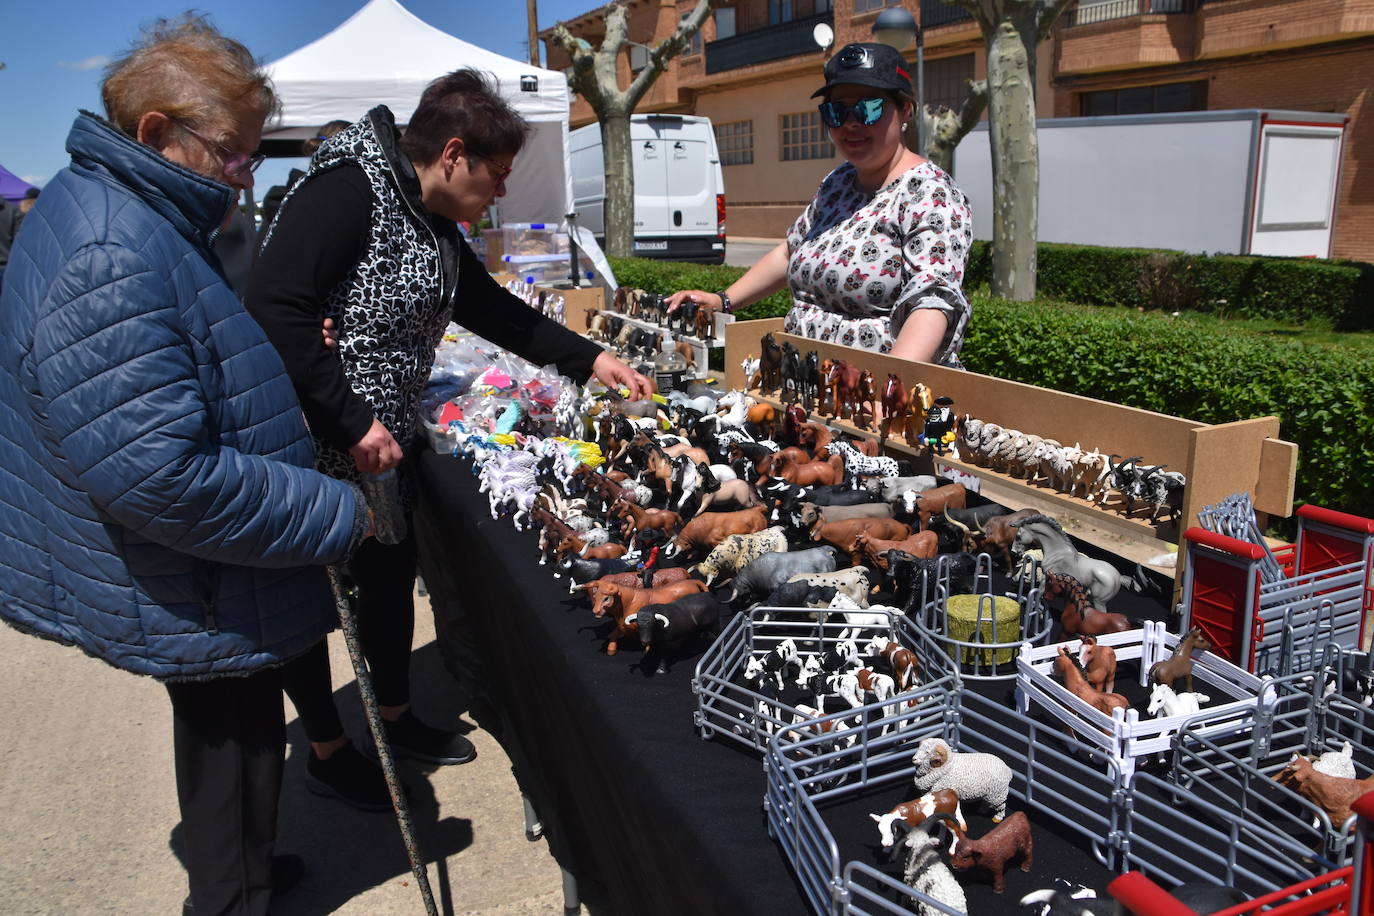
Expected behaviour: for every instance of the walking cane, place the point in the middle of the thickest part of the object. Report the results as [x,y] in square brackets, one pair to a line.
[391,529]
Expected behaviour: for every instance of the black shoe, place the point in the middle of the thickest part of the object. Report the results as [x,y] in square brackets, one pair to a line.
[287,872]
[350,777]
[409,737]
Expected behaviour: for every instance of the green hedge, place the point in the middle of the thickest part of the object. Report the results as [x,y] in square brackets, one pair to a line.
[665,277]
[1336,294]
[1323,396]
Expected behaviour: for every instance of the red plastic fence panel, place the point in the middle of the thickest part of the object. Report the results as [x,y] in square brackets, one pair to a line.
[1145,898]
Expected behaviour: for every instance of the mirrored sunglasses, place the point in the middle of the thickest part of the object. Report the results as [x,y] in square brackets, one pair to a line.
[868,111]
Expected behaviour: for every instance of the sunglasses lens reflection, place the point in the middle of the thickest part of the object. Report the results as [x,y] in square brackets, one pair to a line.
[867,111]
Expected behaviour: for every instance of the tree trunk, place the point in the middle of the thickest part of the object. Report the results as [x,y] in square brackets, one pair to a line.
[620,184]
[1015,165]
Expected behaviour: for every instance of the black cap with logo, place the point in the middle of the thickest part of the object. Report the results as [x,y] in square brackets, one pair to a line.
[867,64]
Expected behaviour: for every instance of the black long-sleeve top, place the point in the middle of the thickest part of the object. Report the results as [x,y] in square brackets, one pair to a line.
[315,247]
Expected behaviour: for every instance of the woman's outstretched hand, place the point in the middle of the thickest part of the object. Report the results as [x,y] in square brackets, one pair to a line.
[700,297]
[612,373]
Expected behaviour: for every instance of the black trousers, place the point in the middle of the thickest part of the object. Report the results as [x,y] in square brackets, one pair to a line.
[229,746]
[384,576]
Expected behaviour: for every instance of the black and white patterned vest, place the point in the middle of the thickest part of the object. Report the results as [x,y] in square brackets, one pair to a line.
[392,309]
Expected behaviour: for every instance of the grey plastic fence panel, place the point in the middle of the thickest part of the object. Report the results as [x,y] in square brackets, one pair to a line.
[1319,607]
[863,893]
[1051,772]
[1174,837]
[807,767]
[728,708]
[977,658]
[1234,775]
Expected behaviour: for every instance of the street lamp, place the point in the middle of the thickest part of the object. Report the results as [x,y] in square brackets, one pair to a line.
[895,27]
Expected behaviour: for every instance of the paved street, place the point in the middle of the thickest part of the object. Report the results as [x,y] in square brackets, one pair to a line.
[746,252]
[91,819]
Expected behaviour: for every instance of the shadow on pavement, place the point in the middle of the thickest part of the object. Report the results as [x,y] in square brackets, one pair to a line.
[348,851]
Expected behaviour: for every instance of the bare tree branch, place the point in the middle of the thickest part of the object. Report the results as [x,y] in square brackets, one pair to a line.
[1048,15]
[667,49]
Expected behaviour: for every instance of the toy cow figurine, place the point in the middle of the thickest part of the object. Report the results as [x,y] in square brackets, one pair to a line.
[665,628]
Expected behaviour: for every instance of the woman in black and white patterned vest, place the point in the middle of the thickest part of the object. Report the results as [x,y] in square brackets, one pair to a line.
[369,240]
[877,260]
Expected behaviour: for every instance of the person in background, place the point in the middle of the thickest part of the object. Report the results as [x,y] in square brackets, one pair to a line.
[160,508]
[30,197]
[271,201]
[369,239]
[10,218]
[877,260]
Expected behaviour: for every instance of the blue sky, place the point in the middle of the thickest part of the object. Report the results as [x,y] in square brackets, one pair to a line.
[54,53]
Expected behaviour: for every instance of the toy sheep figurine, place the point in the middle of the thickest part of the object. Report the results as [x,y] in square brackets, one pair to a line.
[927,874]
[975,777]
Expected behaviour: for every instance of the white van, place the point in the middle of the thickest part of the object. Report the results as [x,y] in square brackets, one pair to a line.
[679,190]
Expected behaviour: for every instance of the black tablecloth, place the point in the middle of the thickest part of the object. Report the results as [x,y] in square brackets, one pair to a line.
[630,797]
[628,794]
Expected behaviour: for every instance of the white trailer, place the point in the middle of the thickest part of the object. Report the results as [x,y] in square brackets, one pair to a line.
[1221,182]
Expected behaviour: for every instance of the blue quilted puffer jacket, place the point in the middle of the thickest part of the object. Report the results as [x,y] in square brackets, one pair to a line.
[158,506]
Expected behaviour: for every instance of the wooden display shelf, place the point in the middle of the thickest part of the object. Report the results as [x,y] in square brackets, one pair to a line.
[1242,457]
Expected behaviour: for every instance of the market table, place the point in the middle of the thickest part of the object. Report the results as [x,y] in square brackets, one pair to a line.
[631,800]
[628,795]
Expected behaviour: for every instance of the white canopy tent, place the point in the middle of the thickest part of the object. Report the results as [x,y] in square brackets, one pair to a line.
[385,55]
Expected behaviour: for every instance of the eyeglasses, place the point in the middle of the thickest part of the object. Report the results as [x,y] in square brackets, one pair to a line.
[502,171]
[855,57]
[234,163]
[868,111]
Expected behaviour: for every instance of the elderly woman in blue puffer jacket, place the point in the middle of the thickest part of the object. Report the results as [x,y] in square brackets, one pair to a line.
[158,504]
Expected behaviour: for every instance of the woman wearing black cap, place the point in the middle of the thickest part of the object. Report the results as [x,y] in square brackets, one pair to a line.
[877,260]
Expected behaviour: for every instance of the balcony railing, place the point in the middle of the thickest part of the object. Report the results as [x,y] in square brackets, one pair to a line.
[760,45]
[934,12]
[1089,11]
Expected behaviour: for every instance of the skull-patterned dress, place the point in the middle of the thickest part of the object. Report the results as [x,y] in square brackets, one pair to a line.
[860,262]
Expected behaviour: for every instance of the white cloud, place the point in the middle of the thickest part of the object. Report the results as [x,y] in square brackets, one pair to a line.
[90,63]
[35,179]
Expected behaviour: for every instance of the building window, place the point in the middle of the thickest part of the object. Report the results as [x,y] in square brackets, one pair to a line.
[779,11]
[803,137]
[693,43]
[947,80]
[1145,99]
[735,141]
[725,22]
[639,58]
[867,6]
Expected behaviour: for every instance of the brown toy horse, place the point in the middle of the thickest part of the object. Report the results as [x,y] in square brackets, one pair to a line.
[895,405]
[1180,664]
[922,399]
[865,401]
[810,473]
[1077,684]
[1080,618]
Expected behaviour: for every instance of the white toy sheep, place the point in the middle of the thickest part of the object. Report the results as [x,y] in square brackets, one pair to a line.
[984,778]
[928,874]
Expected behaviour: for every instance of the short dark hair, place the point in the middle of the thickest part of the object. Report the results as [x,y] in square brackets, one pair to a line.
[464,104]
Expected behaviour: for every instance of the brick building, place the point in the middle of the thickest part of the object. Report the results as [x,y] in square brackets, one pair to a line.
[755,64]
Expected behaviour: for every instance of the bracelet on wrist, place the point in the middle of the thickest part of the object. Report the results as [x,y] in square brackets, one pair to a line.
[725,305]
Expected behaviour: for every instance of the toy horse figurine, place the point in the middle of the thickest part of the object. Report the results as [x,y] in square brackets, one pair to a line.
[1080,618]
[922,399]
[811,379]
[1180,664]
[894,407]
[1077,684]
[865,401]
